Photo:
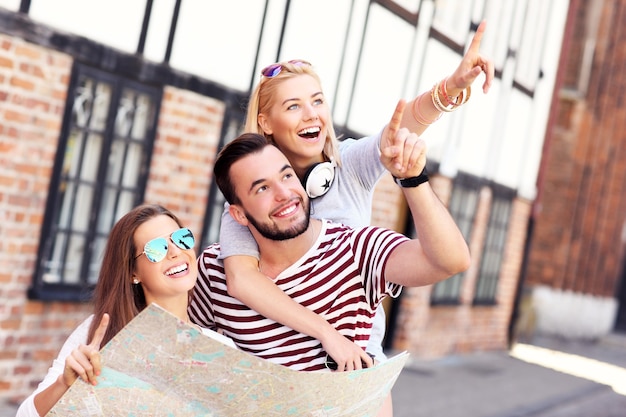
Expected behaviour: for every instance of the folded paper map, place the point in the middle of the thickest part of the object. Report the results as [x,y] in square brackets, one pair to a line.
[160,366]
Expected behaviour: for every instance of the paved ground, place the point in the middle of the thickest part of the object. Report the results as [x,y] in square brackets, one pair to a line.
[497,384]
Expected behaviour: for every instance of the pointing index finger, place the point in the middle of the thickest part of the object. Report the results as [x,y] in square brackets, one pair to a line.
[396,120]
[478,36]
[393,150]
[98,335]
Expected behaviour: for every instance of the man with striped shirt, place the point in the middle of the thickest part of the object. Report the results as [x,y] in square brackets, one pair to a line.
[340,273]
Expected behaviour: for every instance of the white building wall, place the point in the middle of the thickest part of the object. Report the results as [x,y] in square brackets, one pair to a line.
[218,40]
[12,5]
[101,21]
[498,136]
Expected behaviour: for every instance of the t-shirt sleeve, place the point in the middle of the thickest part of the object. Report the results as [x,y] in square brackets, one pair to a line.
[361,158]
[372,248]
[235,239]
[200,307]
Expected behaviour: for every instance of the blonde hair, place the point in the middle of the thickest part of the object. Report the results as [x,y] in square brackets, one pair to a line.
[262,99]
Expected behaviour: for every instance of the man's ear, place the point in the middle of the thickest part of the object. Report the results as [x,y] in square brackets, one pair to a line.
[237,213]
[264,124]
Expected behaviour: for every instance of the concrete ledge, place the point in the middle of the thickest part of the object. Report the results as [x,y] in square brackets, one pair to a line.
[573,315]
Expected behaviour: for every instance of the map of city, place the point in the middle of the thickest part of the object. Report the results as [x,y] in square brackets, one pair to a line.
[160,366]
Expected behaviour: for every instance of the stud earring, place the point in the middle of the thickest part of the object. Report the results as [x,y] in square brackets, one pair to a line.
[136,281]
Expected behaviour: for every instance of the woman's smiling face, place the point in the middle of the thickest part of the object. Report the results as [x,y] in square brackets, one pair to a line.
[173,276]
[297,120]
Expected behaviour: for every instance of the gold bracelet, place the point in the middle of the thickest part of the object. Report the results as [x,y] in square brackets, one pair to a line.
[468,93]
[450,105]
[444,93]
[434,94]
[462,98]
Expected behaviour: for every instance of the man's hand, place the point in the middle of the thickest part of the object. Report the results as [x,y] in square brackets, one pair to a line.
[403,153]
[347,355]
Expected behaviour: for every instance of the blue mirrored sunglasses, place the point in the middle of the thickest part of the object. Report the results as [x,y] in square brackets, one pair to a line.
[273,70]
[156,249]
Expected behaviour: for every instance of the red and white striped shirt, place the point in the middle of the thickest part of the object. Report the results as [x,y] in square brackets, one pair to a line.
[341,278]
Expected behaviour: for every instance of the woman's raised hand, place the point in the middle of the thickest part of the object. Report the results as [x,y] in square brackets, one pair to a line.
[84,361]
[471,66]
[403,153]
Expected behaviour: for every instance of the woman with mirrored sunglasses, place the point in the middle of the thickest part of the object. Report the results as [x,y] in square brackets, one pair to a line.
[149,258]
[288,107]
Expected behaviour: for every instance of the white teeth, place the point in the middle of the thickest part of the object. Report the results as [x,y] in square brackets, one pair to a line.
[288,210]
[176,269]
[309,130]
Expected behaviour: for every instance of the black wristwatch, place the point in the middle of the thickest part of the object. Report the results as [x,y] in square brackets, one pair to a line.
[412,181]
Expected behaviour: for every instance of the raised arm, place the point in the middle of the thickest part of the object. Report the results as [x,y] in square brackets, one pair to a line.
[83,362]
[422,111]
[440,250]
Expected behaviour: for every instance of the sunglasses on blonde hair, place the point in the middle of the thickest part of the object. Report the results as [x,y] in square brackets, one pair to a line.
[156,249]
[273,70]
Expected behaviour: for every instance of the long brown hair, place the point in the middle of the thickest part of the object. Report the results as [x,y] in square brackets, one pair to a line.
[115,292]
[262,99]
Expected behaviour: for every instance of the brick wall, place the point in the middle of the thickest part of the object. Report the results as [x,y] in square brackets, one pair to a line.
[33,88]
[182,162]
[577,239]
[389,207]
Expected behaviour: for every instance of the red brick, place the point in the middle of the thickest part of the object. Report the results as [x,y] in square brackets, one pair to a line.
[6,62]
[577,229]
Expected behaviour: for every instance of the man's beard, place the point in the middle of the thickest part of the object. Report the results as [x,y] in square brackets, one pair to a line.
[271,231]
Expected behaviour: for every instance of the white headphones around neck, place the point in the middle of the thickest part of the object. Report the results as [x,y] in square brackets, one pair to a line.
[318,178]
